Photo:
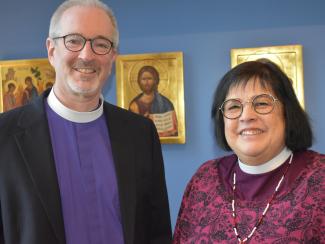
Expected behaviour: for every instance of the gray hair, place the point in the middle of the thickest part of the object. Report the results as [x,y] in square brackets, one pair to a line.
[57,15]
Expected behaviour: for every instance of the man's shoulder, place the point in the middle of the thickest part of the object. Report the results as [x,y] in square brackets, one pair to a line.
[128,125]
[162,97]
[9,122]
[22,116]
[8,117]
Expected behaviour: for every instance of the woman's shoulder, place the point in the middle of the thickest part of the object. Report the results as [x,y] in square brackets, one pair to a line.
[212,163]
[316,162]
[312,153]
[312,159]
[318,156]
[312,168]
[210,168]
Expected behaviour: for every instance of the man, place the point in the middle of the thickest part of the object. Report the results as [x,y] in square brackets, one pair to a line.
[73,168]
[151,104]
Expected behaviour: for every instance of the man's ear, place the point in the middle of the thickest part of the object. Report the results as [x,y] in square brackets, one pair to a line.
[50,45]
[114,54]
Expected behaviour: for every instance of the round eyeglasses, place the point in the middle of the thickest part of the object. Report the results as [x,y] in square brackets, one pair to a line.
[262,104]
[76,42]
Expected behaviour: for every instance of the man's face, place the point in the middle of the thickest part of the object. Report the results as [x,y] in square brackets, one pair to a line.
[83,72]
[147,82]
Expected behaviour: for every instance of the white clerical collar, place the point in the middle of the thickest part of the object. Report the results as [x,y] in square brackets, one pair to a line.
[71,115]
[274,163]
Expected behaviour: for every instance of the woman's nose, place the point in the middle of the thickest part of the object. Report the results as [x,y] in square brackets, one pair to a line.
[248,111]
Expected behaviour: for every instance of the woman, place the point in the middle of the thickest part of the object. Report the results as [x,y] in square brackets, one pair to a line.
[271,190]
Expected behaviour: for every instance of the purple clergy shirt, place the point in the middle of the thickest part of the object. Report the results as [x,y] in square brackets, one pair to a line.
[259,187]
[87,180]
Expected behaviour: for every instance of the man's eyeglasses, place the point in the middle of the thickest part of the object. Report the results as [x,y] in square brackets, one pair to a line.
[76,42]
[262,104]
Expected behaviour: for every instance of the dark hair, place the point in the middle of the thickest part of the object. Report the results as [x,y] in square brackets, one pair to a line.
[11,85]
[298,133]
[151,70]
[28,78]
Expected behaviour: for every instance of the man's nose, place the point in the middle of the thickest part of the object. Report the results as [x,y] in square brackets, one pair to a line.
[87,51]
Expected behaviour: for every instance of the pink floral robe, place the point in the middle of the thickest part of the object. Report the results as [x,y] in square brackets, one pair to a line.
[296,215]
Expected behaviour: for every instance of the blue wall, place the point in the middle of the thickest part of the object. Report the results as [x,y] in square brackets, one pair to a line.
[205,32]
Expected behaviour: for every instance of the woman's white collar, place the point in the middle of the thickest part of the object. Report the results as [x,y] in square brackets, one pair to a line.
[274,163]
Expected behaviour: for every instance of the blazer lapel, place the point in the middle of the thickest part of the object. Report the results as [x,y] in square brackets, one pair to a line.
[123,155]
[34,143]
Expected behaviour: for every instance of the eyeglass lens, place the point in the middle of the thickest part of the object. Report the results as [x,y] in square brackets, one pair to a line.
[76,43]
[262,104]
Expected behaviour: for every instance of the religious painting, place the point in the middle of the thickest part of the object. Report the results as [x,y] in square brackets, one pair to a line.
[152,85]
[288,58]
[23,81]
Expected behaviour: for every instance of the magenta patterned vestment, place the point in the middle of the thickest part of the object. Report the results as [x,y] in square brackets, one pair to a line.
[296,215]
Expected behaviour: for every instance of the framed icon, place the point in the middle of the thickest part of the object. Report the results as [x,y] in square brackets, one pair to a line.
[152,85]
[288,58]
[23,80]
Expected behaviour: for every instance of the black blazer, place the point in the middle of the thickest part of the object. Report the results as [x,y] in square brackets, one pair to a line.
[30,204]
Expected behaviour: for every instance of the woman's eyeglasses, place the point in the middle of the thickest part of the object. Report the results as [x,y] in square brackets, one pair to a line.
[262,104]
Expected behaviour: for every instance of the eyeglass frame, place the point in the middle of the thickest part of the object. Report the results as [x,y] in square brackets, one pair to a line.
[249,101]
[91,40]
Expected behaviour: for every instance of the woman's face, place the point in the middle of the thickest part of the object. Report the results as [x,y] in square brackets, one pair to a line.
[255,138]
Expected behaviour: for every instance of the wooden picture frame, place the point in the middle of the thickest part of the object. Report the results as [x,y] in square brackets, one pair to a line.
[23,80]
[162,101]
[289,58]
